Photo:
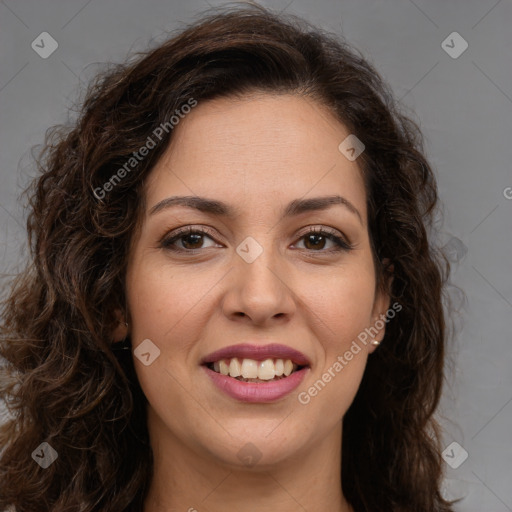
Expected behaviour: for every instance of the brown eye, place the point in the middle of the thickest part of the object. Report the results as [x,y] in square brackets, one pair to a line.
[188,240]
[315,240]
[192,241]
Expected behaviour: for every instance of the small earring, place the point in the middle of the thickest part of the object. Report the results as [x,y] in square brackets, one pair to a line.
[376,343]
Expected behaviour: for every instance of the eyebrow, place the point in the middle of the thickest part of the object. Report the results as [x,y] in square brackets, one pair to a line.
[215,207]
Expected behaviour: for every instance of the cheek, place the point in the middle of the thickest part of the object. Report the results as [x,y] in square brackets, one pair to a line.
[164,306]
[344,311]
[343,308]
[162,299]
[343,305]
[169,306]
[329,396]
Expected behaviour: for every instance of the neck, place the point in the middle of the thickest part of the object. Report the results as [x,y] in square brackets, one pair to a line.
[186,480]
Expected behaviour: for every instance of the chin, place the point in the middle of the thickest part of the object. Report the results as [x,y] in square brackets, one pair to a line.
[257,446]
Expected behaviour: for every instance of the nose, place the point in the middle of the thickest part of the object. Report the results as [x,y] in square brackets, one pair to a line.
[260,292]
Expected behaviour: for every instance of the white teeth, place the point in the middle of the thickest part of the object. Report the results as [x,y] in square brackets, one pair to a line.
[252,369]
[249,369]
[235,368]
[224,368]
[266,370]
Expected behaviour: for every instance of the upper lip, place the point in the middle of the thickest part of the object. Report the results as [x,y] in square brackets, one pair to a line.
[258,353]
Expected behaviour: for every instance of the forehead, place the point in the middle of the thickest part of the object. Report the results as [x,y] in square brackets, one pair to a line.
[257,150]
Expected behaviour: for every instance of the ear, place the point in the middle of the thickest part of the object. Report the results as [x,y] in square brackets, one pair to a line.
[381,305]
[121,331]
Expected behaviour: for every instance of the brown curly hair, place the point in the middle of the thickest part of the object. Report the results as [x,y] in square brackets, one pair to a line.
[65,383]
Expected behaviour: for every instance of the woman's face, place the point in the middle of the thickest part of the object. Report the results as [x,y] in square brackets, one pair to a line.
[256,277]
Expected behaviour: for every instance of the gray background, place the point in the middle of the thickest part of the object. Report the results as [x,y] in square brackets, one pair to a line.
[463,104]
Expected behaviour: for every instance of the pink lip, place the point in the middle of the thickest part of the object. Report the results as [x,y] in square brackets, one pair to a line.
[254,391]
[258,353]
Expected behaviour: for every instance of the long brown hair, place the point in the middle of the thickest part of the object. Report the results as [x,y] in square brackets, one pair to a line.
[67,385]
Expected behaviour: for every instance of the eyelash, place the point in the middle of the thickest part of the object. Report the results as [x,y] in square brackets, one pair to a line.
[168,241]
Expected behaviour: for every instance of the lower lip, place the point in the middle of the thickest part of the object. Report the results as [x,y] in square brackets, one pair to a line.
[256,391]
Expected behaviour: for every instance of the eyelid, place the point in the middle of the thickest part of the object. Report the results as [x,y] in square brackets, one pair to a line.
[177,233]
[315,228]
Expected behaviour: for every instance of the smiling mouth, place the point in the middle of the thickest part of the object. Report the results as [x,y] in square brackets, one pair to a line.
[251,370]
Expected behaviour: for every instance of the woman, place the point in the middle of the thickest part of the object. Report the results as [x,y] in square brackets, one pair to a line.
[233,302]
